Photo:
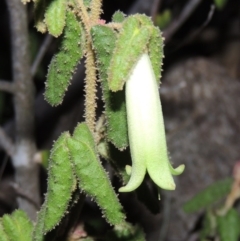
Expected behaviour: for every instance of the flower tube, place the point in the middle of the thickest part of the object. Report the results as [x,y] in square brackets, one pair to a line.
[146,130]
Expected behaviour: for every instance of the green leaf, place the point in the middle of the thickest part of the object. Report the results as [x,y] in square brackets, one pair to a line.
[93,179]
[209,225]
[55,17]
[45,157]
[208,196]
[65,61]
[163,19]
[118,159]
[3,235]
[38,232]
[15,227]
[220,4]
[126,232]
[9,227]
[104,39]
[23,225]
[228,226]
[60,187]
[131,44]
[118,17]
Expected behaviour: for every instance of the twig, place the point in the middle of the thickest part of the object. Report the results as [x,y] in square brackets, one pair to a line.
[4,163]
[166,216]
[177,23]
[20,192]
[199,30]
[96,10]
[155,6]
[6,143]
[141,6]
[47,41]
[7,86]
[26,171]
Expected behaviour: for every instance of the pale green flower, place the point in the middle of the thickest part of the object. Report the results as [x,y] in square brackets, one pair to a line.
[146,130]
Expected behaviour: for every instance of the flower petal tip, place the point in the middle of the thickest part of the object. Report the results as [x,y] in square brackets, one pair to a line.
[177,171]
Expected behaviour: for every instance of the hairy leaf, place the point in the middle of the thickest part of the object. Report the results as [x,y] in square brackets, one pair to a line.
[208,226]
[228,226]
[126,232]
[60,187]
[220,4]
[55,17]
[118,17]
[93,179]
[118,159]
[208,196]
[15,227]
[3,235]
[9,226]
[65,61]
[38,232]
[115,108]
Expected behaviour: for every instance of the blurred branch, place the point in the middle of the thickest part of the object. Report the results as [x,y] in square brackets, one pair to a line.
[141,6]
[46,43]
[26,171]
[21,193]
[177,23]
[6,143]
[7,86]
[155,6]
[166,214]
[197,32]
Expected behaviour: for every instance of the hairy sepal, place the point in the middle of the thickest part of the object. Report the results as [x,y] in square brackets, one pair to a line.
[115,108]
[93,179]
[155,45]
[65,61]
[130,45]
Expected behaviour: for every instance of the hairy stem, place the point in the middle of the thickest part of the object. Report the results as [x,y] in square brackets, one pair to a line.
[84,15]
[90,88]
[96,10]
[26,171]
[91,75]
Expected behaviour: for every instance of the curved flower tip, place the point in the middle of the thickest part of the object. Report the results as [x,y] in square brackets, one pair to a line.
[177,171]
[146,130]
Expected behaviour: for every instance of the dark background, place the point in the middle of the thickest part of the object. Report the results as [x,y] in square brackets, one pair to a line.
[200,94]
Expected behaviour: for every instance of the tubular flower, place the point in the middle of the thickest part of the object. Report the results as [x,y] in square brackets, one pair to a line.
[146,130]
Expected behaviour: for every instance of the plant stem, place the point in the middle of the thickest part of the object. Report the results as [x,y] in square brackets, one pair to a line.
[96,10]
[6,143]
[91,75]
[7,86]
[26,171]
[90,89]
